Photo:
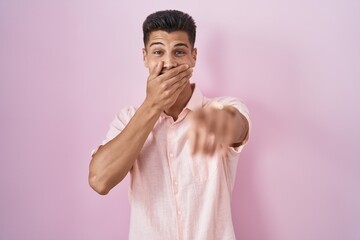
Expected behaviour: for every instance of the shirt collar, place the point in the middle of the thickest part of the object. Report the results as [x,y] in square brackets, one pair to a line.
[194,103]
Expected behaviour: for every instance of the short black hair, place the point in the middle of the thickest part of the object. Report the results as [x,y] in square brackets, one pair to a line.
[169,21]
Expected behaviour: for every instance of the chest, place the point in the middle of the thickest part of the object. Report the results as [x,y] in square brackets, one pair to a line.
[166,156]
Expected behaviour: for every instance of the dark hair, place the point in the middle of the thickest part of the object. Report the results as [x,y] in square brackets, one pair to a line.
[169,21]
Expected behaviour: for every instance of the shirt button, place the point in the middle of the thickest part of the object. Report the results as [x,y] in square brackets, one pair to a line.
[176,183]
[179,212]
[171,155]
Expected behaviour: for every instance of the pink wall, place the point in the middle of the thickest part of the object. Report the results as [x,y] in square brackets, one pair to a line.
[66,67]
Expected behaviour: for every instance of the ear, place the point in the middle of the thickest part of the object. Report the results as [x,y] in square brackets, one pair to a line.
[194,56]
[144,52]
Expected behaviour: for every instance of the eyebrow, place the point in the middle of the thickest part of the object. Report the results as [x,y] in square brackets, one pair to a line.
[156,43]
[176,45]
[181,45]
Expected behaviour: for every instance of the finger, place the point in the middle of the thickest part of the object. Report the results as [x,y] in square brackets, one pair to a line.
[168,86]
[201,143]
[174,72]
[181,77]
[208,135]
[195,142]
[178,86]
[219,131]
[199,117]
[176,89]
[210,122]
[155,71]
[220,124]
[211,142]
[214,144]
[196,126]
[191,135]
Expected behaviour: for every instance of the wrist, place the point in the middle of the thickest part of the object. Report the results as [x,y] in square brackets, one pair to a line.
[151,107]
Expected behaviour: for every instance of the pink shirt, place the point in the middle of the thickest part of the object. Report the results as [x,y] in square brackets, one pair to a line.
[172,194]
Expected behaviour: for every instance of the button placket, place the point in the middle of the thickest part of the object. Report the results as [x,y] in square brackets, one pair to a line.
[175,187]
[175,184]
[169,137]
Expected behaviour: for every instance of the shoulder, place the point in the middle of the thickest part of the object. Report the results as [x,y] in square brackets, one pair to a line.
[124,115]
[126,112]
[121,119]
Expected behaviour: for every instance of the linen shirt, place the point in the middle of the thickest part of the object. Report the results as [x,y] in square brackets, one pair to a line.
[172,194]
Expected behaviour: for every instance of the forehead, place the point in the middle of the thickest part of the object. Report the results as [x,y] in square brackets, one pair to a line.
[168,39]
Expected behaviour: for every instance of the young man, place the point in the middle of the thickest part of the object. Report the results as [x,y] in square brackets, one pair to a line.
[180,148]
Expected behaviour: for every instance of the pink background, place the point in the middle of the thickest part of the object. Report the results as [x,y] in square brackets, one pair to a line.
[67,67]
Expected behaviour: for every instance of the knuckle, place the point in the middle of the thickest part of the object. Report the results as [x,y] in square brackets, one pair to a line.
[166,94]
[163,86]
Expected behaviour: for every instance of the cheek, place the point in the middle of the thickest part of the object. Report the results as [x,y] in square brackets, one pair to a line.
[192,62]
[149,61]
[151,64]
[186,60]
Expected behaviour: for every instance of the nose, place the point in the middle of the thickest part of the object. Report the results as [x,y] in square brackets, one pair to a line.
[169,62]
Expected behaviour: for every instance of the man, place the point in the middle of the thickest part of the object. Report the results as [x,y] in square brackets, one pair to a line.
[180,148]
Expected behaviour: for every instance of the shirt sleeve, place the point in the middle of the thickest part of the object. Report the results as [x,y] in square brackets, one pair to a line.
[122,118]
[241,107]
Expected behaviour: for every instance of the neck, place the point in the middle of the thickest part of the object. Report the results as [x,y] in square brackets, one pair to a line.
[181,102]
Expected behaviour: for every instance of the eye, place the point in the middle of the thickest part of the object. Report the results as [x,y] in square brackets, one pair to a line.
[157,52]
[179,52]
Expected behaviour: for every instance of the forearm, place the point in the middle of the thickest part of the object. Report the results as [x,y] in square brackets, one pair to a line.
[113,161]
[242,126]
